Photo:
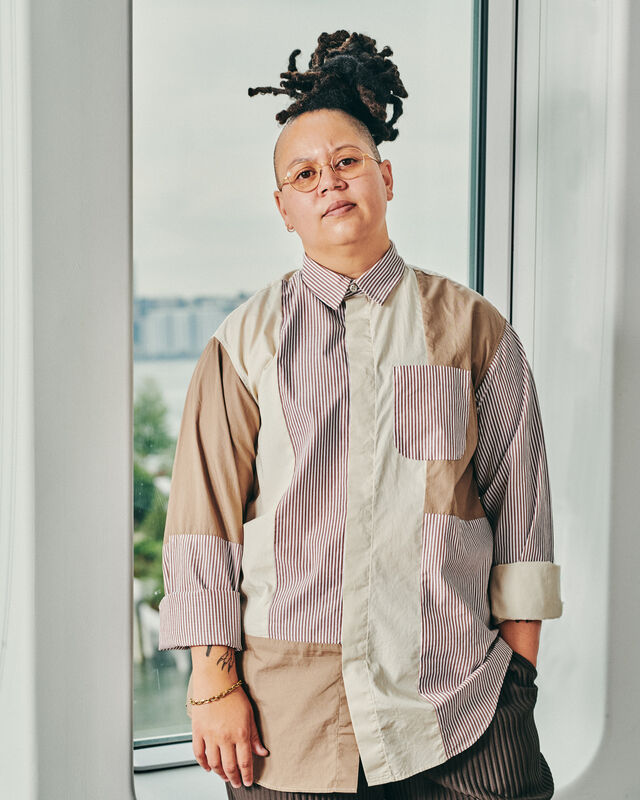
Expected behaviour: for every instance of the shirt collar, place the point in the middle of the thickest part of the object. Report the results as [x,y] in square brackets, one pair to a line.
[377,282]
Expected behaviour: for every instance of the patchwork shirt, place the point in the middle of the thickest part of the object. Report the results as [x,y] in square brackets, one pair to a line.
[359,496]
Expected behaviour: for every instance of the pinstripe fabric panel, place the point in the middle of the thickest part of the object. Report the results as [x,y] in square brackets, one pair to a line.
[510,461]
[505,762]
[456,674]
[313,379]
[431,410]
[202,602]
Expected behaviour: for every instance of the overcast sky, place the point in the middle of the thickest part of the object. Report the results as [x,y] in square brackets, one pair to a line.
[205,221]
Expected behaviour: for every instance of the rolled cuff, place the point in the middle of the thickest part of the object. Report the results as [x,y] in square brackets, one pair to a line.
[525,590]
[190,619]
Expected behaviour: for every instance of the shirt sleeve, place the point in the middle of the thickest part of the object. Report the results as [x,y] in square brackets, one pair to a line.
[212,483]
[510,464]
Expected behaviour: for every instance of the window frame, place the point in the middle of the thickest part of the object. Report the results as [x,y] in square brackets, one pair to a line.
[491,198]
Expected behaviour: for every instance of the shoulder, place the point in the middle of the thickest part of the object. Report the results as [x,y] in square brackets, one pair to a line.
[253,311]
[459,314]
[454,297]
[249,333]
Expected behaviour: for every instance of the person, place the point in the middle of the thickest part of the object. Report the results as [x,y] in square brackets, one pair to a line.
[359,543]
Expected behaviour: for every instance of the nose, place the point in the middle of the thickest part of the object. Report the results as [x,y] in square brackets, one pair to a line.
[329,179]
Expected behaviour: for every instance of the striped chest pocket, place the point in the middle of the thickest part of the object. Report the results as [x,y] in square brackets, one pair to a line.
[431,410]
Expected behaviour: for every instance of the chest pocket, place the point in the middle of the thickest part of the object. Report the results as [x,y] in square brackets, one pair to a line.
[431,410]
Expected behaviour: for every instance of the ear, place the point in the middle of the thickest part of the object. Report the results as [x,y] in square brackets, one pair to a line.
[387,177]
[280,206]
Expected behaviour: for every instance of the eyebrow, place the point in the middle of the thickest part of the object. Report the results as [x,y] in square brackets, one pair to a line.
[302,159]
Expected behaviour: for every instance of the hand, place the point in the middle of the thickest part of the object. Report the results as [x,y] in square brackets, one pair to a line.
[225,737]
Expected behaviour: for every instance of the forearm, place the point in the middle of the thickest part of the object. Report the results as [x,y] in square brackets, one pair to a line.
[523,636]
[214,667]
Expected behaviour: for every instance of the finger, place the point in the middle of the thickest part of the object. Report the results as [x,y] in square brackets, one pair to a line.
[244,757]
[215,760]
[230,765]
[256,743]
[199,751]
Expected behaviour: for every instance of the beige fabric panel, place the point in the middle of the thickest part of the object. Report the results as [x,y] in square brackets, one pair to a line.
[251,334]
[525,590]
[213,472]
[302,715]
[462,329]
[383,534]
[258,579]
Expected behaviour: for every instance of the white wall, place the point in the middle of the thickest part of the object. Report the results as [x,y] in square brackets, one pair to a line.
[569,151]
[17,545]
[65,608]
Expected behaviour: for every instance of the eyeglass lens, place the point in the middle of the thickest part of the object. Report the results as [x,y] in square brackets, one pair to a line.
[348,162]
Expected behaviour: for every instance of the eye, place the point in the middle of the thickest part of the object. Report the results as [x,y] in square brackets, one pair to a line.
[346,161]
[304,174]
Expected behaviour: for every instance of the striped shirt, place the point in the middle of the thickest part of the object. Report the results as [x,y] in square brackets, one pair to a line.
[359,496]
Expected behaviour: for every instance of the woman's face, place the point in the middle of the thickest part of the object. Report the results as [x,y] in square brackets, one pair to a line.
[316,135]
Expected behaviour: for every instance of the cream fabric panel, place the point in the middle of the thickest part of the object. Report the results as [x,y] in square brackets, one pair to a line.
[382,544]
[250,334]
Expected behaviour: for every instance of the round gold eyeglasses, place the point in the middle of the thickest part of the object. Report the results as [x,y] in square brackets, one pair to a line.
[347,163]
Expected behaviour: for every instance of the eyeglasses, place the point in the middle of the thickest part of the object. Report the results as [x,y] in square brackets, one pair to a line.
[346,163]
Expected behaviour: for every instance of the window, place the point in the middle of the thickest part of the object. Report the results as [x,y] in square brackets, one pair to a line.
[207,233]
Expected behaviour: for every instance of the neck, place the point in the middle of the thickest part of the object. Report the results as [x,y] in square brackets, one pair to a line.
[351,258]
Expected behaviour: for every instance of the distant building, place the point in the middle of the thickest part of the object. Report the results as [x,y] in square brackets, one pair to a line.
[178,327]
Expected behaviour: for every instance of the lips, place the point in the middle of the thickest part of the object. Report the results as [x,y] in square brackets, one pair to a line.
[339,207]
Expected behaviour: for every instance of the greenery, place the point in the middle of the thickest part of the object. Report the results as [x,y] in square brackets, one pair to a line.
[143,492]
[151,440]
[150,432]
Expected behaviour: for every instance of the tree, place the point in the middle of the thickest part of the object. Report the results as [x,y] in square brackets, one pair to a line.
[144,492]
[150,431]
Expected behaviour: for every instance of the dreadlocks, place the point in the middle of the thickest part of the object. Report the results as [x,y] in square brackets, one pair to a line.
[347,73]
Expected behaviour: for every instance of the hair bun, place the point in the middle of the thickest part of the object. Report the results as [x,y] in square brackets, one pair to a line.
[345,72]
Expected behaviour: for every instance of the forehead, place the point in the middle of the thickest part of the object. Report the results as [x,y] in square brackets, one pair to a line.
[315,133]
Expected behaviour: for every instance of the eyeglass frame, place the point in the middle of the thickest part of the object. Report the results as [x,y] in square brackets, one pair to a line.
[328,164]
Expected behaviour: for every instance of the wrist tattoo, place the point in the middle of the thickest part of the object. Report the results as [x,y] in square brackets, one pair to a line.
[227,659]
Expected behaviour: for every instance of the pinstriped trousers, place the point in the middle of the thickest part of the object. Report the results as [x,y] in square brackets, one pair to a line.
[505,762]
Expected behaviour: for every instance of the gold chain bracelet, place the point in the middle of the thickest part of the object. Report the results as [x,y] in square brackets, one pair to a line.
[215,696]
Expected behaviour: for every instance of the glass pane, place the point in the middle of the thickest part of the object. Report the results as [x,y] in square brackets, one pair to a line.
[207,235]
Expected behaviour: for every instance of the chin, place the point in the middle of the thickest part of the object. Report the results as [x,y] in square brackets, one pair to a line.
[348,234]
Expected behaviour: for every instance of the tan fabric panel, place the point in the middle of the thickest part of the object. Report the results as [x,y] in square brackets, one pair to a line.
[213,470]
[462,329]
[451,487]
[301,713]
